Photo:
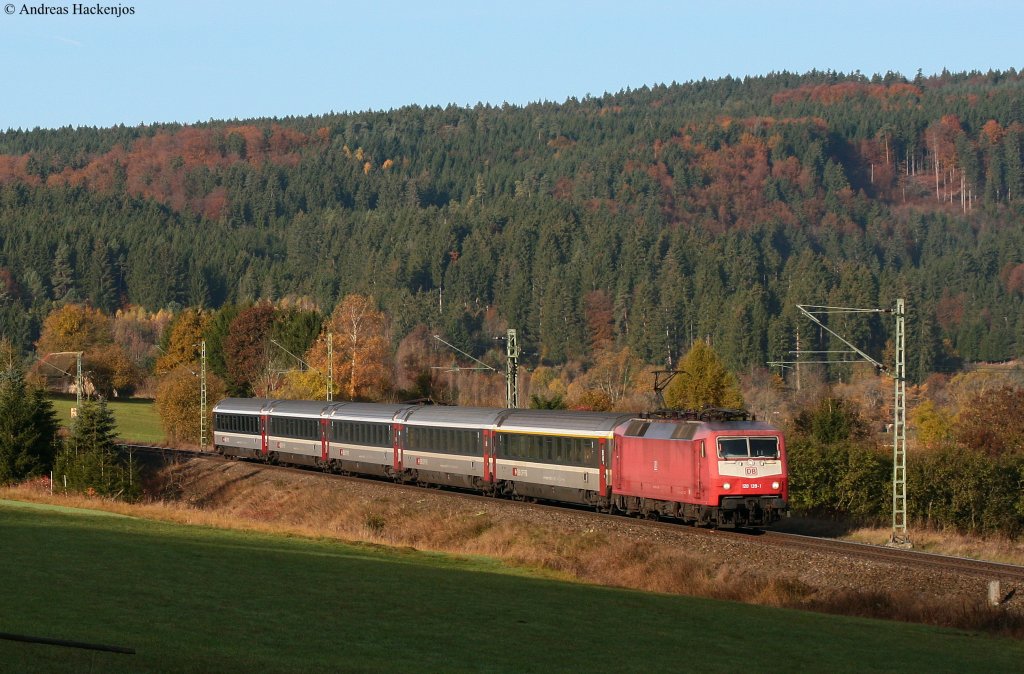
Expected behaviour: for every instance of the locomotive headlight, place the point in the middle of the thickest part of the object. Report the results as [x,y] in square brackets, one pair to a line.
[775,485]
[726,486]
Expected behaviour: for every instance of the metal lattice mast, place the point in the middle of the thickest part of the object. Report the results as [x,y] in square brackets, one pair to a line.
[202,395]
[79,381]
[899,374]
[511,370]
[330,367]
[899,434]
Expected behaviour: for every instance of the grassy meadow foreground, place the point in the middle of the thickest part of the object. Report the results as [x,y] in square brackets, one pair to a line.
[137,420]
[203,599]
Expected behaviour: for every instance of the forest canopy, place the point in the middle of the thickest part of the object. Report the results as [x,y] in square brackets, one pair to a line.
[650,218]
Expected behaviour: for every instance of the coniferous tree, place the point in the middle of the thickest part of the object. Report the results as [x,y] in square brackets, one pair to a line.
[28,425]
[100,279]
[62,278]
[90,461]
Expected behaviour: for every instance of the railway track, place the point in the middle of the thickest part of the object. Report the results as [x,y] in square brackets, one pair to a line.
[827,546]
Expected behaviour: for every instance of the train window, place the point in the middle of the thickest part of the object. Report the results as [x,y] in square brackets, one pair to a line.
[637,428]
[684,431]
[764,448]
[732,448]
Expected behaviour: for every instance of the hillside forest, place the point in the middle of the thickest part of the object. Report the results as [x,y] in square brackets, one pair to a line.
[614,233]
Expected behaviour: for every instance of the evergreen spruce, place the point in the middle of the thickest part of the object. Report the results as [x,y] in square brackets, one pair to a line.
[28,425]
[90,461]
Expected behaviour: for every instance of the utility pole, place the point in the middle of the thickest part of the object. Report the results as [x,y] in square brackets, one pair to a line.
[79,378]
[330,366]
[79,381]
[512,353]
[202,395]
[511,370]
[899,536]
[797,367]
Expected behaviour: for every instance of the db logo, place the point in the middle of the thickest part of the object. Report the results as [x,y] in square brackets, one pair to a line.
[750,471]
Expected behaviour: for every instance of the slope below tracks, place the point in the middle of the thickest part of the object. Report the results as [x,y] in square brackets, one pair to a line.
[642,529]
[898,556]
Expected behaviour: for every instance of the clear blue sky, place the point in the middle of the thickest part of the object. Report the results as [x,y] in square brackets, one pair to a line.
[186,61]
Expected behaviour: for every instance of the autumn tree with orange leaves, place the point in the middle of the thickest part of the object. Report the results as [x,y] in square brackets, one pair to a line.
[362,349]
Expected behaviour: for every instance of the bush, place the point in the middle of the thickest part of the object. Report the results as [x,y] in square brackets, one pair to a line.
[966,490]
[841,479]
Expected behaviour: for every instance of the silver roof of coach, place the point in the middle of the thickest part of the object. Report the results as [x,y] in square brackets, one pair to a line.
[563,421]
[443,415]
[377,412]
[242,405]
[299,408]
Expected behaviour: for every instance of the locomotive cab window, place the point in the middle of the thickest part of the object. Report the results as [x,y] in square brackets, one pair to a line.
[764,448]
[733,448]
[743,448]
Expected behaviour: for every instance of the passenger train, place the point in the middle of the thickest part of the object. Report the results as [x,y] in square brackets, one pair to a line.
[707,469]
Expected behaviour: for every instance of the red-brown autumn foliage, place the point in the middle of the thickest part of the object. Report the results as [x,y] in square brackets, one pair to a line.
[156,166]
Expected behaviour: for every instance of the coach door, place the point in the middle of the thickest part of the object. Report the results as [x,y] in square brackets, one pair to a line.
[490,456]
[398,442]
[264,445]
[325,445]
[602,450]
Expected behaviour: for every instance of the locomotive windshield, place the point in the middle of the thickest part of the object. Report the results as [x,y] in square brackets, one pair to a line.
[744,448]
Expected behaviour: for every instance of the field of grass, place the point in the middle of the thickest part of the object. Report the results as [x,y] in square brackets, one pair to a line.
[137,420]
[200,599]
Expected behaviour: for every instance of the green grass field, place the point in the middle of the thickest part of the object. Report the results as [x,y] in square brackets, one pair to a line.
[137,420]
[199,599]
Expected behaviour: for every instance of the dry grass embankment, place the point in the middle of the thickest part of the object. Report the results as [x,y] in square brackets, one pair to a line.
[994,549]
[248,497]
